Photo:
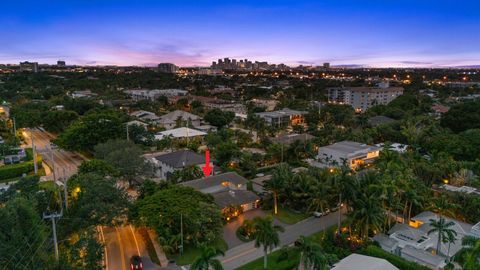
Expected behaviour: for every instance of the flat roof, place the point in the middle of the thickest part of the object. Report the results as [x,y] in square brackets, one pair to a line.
[282,112]
[348,147]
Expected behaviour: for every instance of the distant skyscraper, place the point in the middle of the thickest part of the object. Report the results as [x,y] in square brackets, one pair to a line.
[61,63]
[29,66]
[326,65]
[167,68]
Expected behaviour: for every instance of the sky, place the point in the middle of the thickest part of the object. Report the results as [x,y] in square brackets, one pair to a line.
[377,33]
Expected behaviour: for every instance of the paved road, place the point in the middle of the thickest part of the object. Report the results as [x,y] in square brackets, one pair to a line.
[245,253]
[64,162]
[121,243]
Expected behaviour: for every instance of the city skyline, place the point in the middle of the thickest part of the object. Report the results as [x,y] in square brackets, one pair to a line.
[410,34]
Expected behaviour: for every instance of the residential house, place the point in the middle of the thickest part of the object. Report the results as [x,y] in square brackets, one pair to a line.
[182,132]
[146,94]
[413,243]
[227,189]
[283,118]
[439,109]
[82,94]
[362,262]
[380,120]
[137,123]
[177,117]
[288,139]
[351,153]
[146,116]
[165,164]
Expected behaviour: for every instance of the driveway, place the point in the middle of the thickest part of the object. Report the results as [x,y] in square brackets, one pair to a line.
[230,228]
[246,252]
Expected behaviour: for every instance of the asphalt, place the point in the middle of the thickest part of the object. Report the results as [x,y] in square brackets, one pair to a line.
[247,252]
[121,243]
[64,162]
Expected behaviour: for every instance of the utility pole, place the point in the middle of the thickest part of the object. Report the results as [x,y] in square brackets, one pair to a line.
[35,165]
[128,135]
[52,217]
[65,190]
[53,164]
[181,234]
[14,127]
[15,131]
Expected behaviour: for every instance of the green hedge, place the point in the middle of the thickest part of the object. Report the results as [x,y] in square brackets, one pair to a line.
[16,170]
[399,262]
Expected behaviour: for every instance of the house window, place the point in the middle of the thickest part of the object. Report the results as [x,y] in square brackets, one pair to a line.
[225,183]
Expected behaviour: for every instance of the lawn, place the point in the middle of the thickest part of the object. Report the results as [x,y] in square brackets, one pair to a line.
[273,262]
[287,216]
[191,253]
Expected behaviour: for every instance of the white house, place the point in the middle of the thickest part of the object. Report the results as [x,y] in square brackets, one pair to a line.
[352,153]
[413,243]
[362,262]
[171,119]
[182,132]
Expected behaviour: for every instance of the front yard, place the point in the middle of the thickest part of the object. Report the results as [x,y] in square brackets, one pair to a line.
[288,216]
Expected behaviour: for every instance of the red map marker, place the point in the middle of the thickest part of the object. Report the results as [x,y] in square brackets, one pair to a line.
[207,169]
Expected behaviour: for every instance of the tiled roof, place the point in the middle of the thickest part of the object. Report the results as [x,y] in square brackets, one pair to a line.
[216,180]
[180,159]
[234,197]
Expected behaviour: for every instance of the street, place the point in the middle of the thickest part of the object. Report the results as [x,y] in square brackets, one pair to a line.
[65,163]
[246,252]
[121,243]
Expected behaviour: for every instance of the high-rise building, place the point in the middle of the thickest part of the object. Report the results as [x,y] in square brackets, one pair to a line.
[29,66]
[326,65]
[61,63]
[167,68]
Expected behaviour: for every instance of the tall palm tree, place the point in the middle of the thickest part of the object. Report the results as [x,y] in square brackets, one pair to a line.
[450,239]
[342,183]
[319,197]
[367,215]
[471,255]
[311,254]
[207,259]
[266,235]
[442,206]
[280,176]
[442,227]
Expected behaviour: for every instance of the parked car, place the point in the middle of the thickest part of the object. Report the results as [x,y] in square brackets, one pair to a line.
[15,159]
[7,160]
[317,214]
[136,263]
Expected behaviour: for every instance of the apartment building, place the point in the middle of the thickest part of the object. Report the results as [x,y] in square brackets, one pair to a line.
[363,98]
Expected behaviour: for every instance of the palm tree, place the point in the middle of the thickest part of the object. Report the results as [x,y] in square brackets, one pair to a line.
[280,176]
[471,255]
[367,215]
[442,206]
[442,227]
[342,184]
[311,254]
[266,235]
[450,239]
[207,259]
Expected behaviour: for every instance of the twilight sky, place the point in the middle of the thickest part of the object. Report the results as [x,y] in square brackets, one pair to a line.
[195,32]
